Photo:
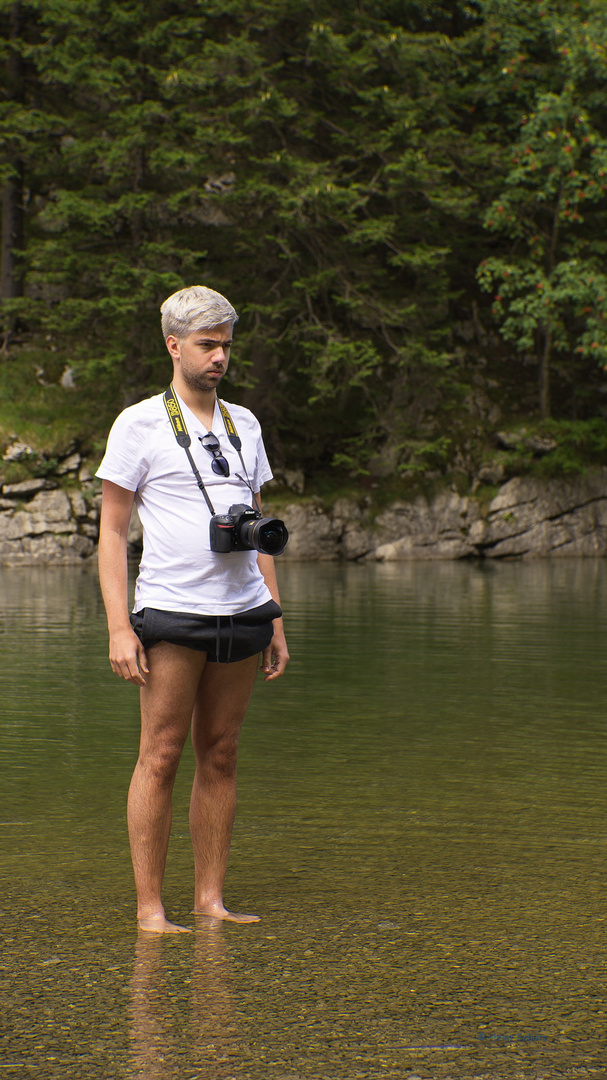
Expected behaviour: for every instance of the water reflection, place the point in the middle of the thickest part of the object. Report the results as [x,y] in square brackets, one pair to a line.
[421,826]
[165,1021]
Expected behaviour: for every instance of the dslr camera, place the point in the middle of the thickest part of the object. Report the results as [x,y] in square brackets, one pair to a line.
[244,529]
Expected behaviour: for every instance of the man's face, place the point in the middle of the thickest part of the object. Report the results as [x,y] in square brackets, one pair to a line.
[202,357]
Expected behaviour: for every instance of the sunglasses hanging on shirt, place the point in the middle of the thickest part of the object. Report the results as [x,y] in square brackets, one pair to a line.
[219,464]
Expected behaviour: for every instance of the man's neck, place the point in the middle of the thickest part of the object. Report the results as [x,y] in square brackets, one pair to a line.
[201,403]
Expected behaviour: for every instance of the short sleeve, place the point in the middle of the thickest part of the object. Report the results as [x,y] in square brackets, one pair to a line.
[125,460]
[263,472]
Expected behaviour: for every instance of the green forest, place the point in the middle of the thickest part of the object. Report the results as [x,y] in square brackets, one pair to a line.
[405,200]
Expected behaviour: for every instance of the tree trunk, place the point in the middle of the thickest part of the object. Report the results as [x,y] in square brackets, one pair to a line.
[11,243]
[545,375]
[11,282]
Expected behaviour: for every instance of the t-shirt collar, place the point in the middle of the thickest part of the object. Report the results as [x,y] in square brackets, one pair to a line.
[196,426]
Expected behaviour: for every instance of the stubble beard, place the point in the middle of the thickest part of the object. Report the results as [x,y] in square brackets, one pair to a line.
[199,381]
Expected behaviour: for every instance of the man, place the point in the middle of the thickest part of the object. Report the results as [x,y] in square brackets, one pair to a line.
[201,618]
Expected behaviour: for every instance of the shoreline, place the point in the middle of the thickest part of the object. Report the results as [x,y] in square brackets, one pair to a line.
[42,523]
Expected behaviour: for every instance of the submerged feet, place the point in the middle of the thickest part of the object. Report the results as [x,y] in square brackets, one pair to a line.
[216,910]
[159,924]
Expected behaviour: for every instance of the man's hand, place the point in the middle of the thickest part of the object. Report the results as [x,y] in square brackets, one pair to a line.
[127,657]
[276,657]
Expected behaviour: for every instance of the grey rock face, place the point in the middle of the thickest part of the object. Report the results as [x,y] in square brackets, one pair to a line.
[51,508]
[69,464]
[312,533]
[14,526]
[439,529]
[527,519]
[17,451]
[24,488]
[51,527]
[78,503]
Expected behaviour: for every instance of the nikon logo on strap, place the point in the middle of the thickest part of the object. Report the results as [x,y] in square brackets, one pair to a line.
[175,415]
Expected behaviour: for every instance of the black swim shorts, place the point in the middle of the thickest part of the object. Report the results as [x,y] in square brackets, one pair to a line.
[225,638]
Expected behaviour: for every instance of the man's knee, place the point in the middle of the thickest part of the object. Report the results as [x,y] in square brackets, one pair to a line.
[161,761]
[221,757]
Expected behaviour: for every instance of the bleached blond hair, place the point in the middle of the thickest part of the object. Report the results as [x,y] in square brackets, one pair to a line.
[195,308]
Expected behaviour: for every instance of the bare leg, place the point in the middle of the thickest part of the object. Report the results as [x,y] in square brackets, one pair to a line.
[223,697]
[167,702]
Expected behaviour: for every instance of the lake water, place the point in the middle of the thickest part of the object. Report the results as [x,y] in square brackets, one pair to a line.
[421,827]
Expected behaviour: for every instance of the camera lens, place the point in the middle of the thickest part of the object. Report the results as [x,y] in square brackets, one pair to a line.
[267,535]
[272,538]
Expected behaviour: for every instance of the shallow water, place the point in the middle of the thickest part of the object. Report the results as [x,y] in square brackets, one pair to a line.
[421,826]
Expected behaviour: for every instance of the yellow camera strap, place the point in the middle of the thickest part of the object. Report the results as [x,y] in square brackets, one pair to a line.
[236,441]
[181,433]
[231,431]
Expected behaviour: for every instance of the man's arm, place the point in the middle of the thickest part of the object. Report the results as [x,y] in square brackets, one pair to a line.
[127,655]
[276,657]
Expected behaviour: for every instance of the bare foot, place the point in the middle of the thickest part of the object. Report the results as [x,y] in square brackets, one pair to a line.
[207,922]
[159,924]
[216,909]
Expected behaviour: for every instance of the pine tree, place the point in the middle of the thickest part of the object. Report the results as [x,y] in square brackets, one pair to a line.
[549,284]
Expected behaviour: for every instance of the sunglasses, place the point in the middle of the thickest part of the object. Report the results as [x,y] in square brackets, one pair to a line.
[219,464]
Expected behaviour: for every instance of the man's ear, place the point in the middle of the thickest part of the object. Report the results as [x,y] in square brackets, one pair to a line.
[172,345]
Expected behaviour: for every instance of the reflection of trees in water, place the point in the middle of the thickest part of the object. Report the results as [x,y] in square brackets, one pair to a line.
[44,597]
[345,590]
[497,608]
[170,1026]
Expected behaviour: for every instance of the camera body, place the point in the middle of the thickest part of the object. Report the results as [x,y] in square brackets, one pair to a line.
[244,529]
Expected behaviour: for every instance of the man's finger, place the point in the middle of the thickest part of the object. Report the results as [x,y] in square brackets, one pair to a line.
[276,666]
[133,673]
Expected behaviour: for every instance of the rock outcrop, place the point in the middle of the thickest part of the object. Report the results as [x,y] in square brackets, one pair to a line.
[528,518]
[555,518]
[40,523]
[422,529]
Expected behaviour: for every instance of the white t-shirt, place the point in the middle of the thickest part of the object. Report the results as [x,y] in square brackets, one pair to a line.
[178,570]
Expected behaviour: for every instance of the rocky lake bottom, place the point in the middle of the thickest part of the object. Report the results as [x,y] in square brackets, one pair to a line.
[421,827]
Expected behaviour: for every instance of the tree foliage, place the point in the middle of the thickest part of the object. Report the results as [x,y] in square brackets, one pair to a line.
[551,288]
[337,170]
